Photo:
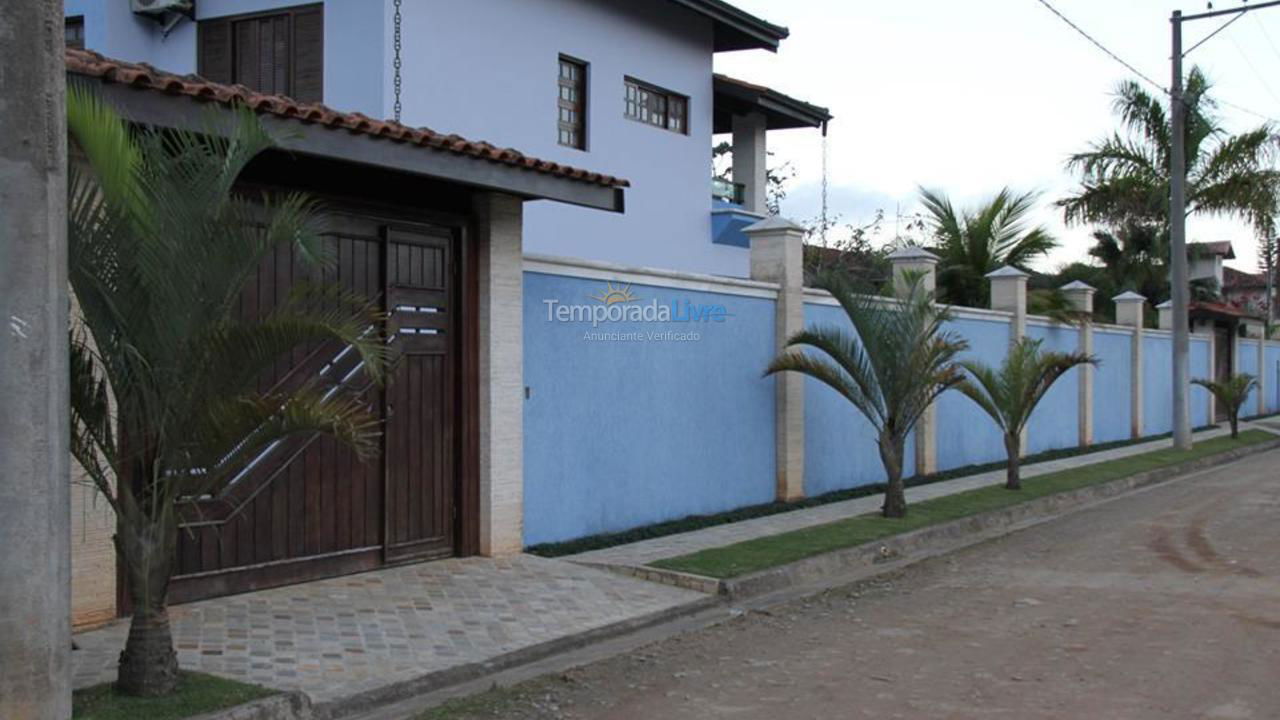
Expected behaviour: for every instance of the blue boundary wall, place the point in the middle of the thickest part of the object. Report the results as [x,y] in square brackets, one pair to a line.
[1157,383]
[638,419]
[1247,362]
[1055,424]
[965,434]
[1111,411]
[627,432]
[1273,376]
[840,449]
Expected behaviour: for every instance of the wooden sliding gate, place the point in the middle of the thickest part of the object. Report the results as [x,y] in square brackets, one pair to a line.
[308,507]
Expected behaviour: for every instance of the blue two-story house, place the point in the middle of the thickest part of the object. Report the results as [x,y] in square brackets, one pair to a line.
[625,89]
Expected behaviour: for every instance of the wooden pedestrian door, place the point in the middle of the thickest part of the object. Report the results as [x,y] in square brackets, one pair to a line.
[420,396]
[308,507]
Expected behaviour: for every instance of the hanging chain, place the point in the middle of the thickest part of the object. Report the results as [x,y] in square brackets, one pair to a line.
[396,63]
[822,228]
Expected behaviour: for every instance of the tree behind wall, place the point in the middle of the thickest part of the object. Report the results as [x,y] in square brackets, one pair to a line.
[164,402]
[971,243]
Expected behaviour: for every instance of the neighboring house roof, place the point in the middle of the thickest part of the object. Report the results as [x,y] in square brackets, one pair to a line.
[739,97]
[737,29]
[305,116]
[1233,279]
[1222,248]
[1219,310]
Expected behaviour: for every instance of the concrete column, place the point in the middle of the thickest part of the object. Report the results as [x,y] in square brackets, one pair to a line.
[777,256]
[35,483]
[1213,371]
[1165,312]
[908,262]
[1263,384]
[1129,312]
[750,158]
[1009,293]
[500,260]
[1080,296]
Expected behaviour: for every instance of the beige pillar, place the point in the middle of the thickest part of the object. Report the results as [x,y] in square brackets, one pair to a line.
[1080,296]
[1263,385]
[750,158]
[1129,312]
[777,256]
[1213,370]
[1165,312]
[909,262]
[1009,293]
[499,259]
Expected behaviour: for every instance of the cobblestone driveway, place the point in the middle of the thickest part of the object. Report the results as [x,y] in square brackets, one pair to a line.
[337,637]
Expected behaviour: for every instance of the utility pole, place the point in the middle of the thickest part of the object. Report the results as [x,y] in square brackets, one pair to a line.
[1178,247]
[1178,217]
[35,507]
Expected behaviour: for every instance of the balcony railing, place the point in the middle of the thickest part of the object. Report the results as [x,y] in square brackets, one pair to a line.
[726,191]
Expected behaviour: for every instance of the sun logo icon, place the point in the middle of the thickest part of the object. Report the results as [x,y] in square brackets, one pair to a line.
[615,294]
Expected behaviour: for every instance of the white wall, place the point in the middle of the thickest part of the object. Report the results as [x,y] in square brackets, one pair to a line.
[487,69]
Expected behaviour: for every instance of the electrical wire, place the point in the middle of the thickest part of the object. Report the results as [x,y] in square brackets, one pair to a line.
[1138,72]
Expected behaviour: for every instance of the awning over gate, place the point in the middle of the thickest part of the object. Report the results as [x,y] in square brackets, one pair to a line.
[154,97]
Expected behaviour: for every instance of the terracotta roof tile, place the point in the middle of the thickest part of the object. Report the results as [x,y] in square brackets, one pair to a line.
[145,77]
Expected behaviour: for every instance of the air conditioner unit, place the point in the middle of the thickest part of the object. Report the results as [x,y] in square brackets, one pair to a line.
[160,7]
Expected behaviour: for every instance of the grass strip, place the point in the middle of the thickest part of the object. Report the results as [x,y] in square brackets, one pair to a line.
[766,552]
[699,522]
[197,693]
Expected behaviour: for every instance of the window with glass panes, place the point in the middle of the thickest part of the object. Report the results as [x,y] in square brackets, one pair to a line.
[657,107]
[74,29]
[572,125]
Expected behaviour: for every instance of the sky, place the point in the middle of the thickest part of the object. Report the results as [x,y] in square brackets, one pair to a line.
[970,97]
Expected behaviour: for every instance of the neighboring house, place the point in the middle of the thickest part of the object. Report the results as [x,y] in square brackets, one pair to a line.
[624,87]
[1246,290]
[1206,260]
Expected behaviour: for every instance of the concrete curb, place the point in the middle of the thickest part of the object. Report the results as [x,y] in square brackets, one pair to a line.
[898,550]
[286,706]
[371,699]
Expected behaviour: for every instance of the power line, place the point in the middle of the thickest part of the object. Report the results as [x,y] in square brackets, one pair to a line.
[1267,35]
[1138,72]
[1253,69]
[1102,47]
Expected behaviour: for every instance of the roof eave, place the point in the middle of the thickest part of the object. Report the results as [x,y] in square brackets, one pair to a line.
[148,107]
[736,29]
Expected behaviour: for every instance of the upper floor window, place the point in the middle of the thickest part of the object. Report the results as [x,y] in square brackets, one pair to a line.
[658,107]
[74,29]
[572,124]
[279,52]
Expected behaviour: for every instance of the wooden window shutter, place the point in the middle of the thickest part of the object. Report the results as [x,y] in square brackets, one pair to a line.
[214,59]
[308,55]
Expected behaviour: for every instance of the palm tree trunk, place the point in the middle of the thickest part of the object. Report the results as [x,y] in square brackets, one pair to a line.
[895,492]
[1013,449]
[1235,425]
[148,664]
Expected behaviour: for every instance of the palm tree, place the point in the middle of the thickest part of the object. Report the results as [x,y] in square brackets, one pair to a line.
[1230,394]
[1125,177]
[972,243]
[1010,394]
[896,362]
[164,402]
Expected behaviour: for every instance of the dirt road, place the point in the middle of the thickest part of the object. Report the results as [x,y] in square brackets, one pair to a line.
[1164,604]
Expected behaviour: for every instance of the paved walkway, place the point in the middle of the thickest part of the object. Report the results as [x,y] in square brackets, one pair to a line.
[334,638]
[646,551]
